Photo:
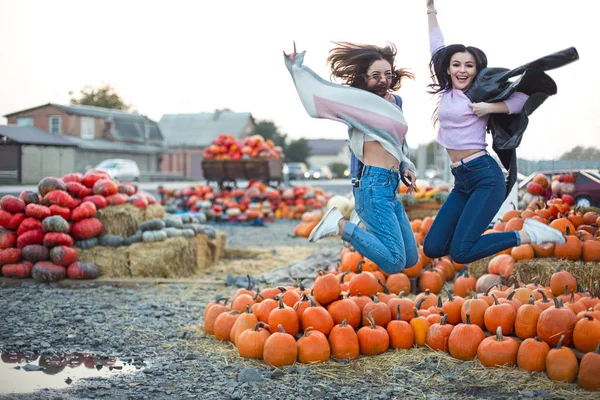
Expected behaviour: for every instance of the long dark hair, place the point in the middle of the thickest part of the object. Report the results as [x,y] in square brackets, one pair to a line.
[350,63]
[439,64]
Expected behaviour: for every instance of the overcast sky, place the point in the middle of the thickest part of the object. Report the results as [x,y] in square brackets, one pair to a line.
[188,56]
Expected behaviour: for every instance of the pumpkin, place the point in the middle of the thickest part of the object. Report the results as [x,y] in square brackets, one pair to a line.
[487,281]
[526,320]
[5,218]
[76,189]
[264,308]
[58,198]
[343,342]
[99,201]
[464,284]
[345,310]
[20,270]
[83,270]
[61,211]
[290,297]
[93,175]
[285,316]
[73,177]
[363,282]
[117,199]
[452,308]
[105,187]
[37,211]
[502,265]
[543,250]
[152,225]
[245,321]
[571,250]
[52,239]
[10,256]
[350,261]
[559,280]
[554,321]
[406,305]
[12,204]
[63,255]
[87,228]
[251,342]
[397,283]
[430,299]
[7,238]
[590,250]
[87,243]
[224,323]
[30,197]
[126,188]
[465,339]
[111,240]
[49,184]
[561,363]
[35,253]
[44,271]
[14,221]
[87,209]
[589,371]
[212,311]
[438,334]
[420,325]
[34,236]
[432,281]
[414,271]
[138,201]
[313,347]
[29,224]
[495,351]
[476,308]
[532,355]
[400,332]
[373,339]
[563,225]
[522,252]
[326,288]
[280,348]
[55,223]
[586,334]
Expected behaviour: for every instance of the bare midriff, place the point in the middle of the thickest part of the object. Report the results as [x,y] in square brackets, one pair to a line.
[457,155]
[374,154]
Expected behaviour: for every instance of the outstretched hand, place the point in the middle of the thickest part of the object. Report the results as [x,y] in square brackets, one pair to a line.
[430,4]
[291,56]
[412,179]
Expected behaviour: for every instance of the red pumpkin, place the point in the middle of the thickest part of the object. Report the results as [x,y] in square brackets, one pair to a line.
[87,209]
[83,270]
[45,271]
[74,177]
[30,197]
[10,256]
[53,239]
[126,188]
[37,211]
[21,270]
[29,224]
[50,184]
[5,217]
[35,253]
[93,175]
[12,204]
[139,201]
[78,190]
[34,236]
[61,211]
[105,187]
[98,200]
[15,221]
[117,199]
[59,198]
[63,255]
[87,228]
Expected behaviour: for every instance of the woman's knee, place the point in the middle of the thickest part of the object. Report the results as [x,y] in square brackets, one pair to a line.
[460,254]
[433,248]
[394,264]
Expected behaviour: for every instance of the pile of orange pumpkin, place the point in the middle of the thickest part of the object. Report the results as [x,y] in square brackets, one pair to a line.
[227,147]
[359,310]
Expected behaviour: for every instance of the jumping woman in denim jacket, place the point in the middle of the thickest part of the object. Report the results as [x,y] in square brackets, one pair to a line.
[479,186]
[376,129]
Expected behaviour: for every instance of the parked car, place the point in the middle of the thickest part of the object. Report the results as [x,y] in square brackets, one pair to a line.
[586,185]
[121,169]
[296,170]
[319,173]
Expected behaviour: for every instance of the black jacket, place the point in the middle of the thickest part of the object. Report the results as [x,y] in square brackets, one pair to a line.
[493,85]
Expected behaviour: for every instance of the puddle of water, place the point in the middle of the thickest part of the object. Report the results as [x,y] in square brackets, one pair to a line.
[26,373]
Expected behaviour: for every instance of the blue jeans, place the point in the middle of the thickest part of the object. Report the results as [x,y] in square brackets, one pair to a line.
[388,240]
[479,191]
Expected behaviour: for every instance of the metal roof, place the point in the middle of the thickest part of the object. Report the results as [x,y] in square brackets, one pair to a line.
[101,144]
[32,135]
[200,129]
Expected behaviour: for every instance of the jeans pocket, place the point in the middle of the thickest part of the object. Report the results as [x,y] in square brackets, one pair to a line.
[359,199]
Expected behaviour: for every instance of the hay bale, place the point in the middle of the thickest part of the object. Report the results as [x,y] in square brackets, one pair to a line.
[479,267]
[171,258]
[154,211]
[112,262]
[124,220]
[586,273]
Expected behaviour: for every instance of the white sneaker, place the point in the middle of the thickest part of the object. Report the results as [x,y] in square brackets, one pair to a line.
[327,226]
[543,233]
[354,218]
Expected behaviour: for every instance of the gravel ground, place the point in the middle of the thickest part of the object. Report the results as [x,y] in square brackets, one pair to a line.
[151,326]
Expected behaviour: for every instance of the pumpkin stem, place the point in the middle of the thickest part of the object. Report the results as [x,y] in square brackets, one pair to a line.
[312,301]
[444,318]
[307,330]
[415,311]
[343,324]
[371,320]
[450,297]
[420,302]
[580,287]
[495,300]
[257,295]
[386,290]
[468,322]
[282,289]
[537,339]
[259,324]
[499,336]
[320,272]
[556,302]
[531,300]
[225,299]
[398,316]
[343,276]
[249,282]
[440,304]
[248,309]
[281,328]
[375,298]
[511,295]
[301,286]
[359,266]
[544,297]
[597,349]
[401,294]
[281,305]
[566,289]
[559,344]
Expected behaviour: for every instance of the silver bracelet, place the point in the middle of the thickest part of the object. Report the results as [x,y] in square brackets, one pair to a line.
[431,11]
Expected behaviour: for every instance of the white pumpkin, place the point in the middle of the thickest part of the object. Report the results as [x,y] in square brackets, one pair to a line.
[344,204]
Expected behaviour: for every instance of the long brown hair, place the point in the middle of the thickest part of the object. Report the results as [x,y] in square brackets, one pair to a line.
[350,63]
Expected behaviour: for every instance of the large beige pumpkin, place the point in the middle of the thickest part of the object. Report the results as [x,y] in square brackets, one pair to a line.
[344,204]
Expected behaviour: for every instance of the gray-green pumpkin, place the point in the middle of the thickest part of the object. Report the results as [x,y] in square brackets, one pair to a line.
[55,223]
[87,243]
[154,236]
[188,233]
[111,240]
[152,225]
[135,238]
[173,222]
[173,232]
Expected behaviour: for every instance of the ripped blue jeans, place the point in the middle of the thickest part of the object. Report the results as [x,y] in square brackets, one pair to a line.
[388,239]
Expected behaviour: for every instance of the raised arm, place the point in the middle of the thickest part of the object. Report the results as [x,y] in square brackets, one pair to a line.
[436,39]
